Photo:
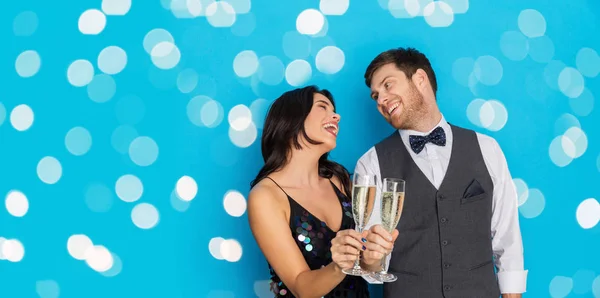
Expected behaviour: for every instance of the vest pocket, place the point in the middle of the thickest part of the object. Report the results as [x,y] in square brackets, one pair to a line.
[473,198]
[481,265]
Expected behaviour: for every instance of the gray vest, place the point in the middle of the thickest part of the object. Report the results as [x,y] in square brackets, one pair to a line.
[444,248]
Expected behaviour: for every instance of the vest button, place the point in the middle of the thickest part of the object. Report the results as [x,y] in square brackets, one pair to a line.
[447,288]
[440,196]
[446,265]
[443,220]
[445,242]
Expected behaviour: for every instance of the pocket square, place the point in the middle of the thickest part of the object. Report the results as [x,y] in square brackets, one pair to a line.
[473,189]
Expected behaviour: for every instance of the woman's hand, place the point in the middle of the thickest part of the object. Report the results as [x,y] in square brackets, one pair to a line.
[346,247]
[380,242]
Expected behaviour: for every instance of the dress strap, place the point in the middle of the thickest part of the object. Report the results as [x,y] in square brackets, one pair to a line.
[278,186]
[341,196]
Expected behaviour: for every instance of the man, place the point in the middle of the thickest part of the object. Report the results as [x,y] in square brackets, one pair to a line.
[460,218]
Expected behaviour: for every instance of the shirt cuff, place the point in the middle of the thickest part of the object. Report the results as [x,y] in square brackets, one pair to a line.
[371,280]
[512,282]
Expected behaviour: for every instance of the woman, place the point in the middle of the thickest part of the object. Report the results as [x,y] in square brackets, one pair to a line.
[298,208]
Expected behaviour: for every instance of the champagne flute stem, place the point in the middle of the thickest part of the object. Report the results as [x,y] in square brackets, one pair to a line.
[383,271]
[357,261]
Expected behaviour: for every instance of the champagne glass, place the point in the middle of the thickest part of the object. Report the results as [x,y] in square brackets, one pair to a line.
[392,203]
[363,199]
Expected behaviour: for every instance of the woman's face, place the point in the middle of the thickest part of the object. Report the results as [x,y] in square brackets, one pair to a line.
[322,122]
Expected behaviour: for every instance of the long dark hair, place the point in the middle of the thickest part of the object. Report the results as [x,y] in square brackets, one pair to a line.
[283,126]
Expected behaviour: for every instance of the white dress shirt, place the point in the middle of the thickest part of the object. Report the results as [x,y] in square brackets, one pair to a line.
[506,236]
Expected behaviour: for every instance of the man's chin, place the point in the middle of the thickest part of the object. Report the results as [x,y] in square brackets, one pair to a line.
[396,122]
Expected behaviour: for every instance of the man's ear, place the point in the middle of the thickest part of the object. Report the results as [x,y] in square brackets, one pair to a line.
[420,79]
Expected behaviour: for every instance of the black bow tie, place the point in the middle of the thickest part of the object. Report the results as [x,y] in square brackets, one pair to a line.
[437,136]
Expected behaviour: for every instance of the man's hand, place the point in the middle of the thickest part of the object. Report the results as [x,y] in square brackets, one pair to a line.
[512,295]
[379,243]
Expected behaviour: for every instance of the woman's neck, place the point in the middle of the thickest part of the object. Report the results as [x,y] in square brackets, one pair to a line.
[302,169]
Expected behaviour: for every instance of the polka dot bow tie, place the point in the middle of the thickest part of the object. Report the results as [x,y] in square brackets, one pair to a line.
[437,136]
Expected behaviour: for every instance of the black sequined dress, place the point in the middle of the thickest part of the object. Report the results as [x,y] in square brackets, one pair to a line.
[313,237]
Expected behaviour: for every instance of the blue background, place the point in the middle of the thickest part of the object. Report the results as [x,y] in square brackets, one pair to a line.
[537,62]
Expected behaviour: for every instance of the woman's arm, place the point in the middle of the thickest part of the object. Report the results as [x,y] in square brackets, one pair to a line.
[272,233]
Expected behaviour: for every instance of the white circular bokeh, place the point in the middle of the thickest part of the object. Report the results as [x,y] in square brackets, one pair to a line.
[588,62]
[129,188]
[165,55]
[588,213]
[330,60]
[474,111]
[532,23]
[80,73]
[220,14]
[239,117]
[28,63]
[560,286]
[204,111]
[102,88]
[582,105]
[49,170]
[16,203]
[77,245]
[493,115]
[234,203]
[535,204]
[571,82]
[143,151]
[25,23]
[488,70]
[98,258]
[245,63]
[575,142]
[156,36]
[298,72]
[231,250]
[334,7]
[310,22]
[116,7]
[187,80]
[21,117]
[145,216]
[112,60]
[438,14]
[214,247]
[92,22]
[186,188]
[47,289]
[557,154]
[243,138]
[78,141]
[12,250]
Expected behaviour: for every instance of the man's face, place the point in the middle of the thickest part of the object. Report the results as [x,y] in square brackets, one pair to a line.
[398,99]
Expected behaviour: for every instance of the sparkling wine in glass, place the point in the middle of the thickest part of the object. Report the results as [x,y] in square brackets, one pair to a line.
[392,203]
[363,199]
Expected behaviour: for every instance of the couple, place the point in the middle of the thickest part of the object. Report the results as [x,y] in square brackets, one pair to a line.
[459,222]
